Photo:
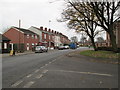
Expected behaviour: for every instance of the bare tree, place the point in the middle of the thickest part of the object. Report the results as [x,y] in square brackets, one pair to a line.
[77,20]
[107,14]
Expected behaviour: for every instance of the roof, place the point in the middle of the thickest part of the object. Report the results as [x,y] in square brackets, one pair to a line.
[41,30]
[3,38]
[26,31]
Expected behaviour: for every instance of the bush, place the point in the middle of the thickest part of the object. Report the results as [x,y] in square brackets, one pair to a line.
[107,49]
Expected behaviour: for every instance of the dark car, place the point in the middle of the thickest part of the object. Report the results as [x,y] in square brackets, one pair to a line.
[40,49]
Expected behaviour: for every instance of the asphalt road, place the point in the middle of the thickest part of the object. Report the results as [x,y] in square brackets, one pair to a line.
[57,70]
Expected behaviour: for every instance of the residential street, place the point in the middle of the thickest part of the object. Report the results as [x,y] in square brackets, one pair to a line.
[56,69]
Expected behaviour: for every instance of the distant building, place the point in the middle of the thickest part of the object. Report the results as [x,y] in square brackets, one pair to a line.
[74,39]
[117,34]
[21,39]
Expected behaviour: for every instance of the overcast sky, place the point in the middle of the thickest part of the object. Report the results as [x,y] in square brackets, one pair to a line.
[33,13]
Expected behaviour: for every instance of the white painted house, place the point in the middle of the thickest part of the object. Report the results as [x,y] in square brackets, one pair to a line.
[57,40]
[37,31]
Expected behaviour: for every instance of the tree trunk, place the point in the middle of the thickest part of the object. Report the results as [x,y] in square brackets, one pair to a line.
[93,43]
[113,41]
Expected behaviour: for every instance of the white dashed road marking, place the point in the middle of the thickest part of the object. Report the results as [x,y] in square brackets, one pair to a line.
[50,62]
[36,70]
[28,84]
[17,83]
[46,64]
[42,67]
[29,75]
[45,71]
[39,76]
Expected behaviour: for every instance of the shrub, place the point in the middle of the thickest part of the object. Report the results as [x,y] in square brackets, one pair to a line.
[107,49]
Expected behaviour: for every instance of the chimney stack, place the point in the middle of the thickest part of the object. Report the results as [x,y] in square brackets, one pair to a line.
[41,28]
[45,29]
[19,23]
[55,32]
[52,31]
[49,30]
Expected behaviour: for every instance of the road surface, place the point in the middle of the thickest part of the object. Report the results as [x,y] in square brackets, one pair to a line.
[55,69]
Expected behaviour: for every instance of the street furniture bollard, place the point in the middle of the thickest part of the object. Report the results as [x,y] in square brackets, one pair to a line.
[12,52]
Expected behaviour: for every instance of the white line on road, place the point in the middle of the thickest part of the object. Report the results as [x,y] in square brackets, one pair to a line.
[39,76]
[42,67]
[29,75]
[50,62]
[36,70]
[96,74]
[17,83]
[53,60]
[84,72]
[45,71]
[28,84]
[46,64]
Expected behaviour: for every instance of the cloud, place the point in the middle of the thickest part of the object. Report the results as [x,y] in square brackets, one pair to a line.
[33,13]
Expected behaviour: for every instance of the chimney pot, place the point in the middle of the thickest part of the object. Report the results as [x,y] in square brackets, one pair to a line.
[45,29]
[52,31]
[49,30]
[41,28]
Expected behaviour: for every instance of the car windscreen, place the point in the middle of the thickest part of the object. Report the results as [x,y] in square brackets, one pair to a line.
[38,47]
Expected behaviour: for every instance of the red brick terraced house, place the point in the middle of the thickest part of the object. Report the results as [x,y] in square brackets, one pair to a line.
[22,39]
[46,36]
[50,38]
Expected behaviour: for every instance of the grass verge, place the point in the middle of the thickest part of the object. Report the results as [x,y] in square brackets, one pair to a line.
[101,54]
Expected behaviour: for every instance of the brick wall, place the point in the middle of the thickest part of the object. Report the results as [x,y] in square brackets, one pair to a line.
[14,35]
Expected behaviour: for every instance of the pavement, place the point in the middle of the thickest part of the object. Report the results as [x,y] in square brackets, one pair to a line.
[58,70]
[18,54]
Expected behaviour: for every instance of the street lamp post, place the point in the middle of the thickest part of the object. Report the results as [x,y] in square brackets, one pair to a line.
[49,34]
[19,36]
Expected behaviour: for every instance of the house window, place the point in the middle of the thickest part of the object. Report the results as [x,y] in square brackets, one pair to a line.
[36,44]
[45,36]
[27,44]
[28,35]
[36,37]
[32,44]
[32,36]
[49,37]
[0,46]
[5,45]
[52,37]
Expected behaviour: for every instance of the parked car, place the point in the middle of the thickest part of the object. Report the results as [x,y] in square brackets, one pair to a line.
[61,47]
[66,47]
[40,49]
[73,45]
